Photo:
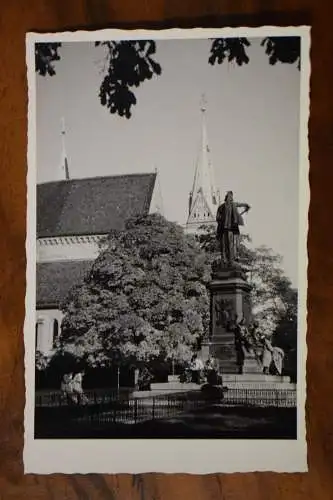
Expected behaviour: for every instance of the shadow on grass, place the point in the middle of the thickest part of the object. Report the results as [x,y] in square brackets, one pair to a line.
[209,423]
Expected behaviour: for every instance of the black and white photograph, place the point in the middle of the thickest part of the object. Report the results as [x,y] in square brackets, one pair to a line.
[166,244]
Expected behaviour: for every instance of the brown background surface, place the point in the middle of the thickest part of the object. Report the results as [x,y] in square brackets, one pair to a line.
[16,18]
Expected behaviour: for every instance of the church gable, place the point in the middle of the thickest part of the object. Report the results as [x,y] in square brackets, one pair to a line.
[200,211]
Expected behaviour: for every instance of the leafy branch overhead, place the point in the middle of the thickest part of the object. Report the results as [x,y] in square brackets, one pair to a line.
[45,56]
[285,49]
[130,63]
[230,49]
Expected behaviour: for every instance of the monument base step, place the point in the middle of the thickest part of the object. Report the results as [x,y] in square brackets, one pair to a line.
[174,386]
[254,377]
[262,386]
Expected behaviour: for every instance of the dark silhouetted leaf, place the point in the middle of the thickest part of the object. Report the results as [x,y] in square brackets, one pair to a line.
[45,55]
[286,50]
[230,49]
[130,63]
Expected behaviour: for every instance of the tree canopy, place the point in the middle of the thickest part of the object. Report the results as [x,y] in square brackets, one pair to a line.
[145,298]
[131,63]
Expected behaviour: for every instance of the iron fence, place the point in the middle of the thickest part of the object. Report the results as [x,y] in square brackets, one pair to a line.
[135,410]
[56,398]
[120,407]
[267,398]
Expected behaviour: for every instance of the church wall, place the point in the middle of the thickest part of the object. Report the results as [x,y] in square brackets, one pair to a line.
[67,248]
[48,327]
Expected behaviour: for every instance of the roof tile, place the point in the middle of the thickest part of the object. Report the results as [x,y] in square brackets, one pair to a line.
[92,205]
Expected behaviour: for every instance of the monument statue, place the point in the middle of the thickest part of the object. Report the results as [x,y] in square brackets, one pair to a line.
[272,357]
[228,220]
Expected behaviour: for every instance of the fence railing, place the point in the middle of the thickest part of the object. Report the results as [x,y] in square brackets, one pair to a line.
[274,398]
[135,410]
[119,407]
[56,398]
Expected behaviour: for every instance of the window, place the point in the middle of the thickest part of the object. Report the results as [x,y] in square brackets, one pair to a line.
[36,335]
[39,335]
[55,331]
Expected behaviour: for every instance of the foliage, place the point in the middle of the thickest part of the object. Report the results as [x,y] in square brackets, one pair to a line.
[41,360]
[129,64]
[51,367]
[230,49]
[285,334]
[272,294]
[284,49]
[144,299]
[45,56]
[206,238]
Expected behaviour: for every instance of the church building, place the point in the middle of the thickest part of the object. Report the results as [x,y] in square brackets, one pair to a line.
[72,216]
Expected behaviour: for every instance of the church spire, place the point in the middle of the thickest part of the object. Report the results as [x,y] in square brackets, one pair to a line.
[64,160]
[203,198]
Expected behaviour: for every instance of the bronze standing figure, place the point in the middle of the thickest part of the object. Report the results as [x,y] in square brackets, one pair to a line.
[228,220]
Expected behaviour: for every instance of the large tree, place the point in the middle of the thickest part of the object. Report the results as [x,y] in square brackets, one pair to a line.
[145,298]
[130,63]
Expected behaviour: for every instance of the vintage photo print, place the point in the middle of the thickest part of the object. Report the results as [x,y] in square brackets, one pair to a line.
[167,224]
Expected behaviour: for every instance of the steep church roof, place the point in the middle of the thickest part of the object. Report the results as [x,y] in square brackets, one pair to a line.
[55,279]
[91,205]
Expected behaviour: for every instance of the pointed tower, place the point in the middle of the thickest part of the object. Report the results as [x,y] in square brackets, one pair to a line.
[64,160]
[204,198]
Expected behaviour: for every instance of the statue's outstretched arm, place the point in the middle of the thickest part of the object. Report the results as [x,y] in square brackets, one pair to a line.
[243,205]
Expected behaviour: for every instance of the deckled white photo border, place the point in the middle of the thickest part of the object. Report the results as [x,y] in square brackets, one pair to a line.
[167,455]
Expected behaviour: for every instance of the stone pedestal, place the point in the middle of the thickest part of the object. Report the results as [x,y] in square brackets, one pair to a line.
[229,301]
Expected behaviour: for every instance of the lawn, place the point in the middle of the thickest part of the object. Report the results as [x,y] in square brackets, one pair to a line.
[214,422]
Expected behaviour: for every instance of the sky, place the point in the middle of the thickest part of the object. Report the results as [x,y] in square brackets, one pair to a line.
[252,117]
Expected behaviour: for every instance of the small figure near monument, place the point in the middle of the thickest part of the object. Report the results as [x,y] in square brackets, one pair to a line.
[228,221]
[196,367]
[78,393]
[66,386]
[211,371]
[144,379]
[272,357]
